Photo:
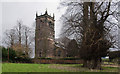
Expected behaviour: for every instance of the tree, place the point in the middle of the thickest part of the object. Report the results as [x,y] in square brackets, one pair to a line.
[72,49]
[28,38]
[19,30]
[25,38]
[10,38]
[12,54]
[4,53]
[20,39]
[90,24]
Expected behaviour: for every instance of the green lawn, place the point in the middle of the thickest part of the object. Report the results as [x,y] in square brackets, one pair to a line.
[20,67]
[17,67]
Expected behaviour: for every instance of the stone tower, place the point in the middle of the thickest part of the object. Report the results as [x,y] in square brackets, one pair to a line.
[44,35]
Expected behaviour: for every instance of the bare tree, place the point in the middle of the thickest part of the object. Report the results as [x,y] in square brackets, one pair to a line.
[10,38]
[90,24]
[28,38]
[20,39]
[19,29]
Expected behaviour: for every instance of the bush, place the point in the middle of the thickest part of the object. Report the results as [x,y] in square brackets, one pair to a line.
[13,57]
[12,54]
[70,58]
[114,54]
[66,58]
[23,60]
[45,58]
[4,54]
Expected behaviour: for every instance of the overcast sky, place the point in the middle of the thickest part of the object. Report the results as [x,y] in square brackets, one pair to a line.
[25,10]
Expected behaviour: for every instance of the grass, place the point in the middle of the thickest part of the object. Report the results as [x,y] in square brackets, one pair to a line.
[20,67]
[81,69]
[17,67]
[111,69]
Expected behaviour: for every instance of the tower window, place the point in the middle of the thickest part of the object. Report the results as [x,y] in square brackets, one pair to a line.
[50,24]
[40,20]
[40,54]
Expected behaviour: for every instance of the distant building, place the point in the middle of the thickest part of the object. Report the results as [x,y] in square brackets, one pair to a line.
[60,46]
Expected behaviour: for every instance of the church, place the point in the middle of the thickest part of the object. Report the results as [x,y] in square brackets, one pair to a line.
[44,35]
[45,43]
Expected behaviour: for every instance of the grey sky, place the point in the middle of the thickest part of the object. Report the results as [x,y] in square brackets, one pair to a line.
[25,11]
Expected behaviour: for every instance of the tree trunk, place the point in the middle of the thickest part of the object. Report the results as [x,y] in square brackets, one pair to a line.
[85,63]
[92,64]
[96,64]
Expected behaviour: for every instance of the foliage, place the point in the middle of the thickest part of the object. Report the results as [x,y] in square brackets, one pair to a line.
[23,60]
[12,54]
[72,49]
[114,54]
[70,58]
[46,58]
[65,58]
[4,54]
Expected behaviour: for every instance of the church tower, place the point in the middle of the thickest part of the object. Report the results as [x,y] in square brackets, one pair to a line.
[44,35]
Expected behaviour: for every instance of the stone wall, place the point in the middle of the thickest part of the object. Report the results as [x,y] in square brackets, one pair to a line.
[57,61]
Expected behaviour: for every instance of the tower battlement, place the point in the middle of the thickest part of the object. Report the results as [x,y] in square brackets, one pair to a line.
[45,15]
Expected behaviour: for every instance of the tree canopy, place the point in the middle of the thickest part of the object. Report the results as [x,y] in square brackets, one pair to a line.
[90,24]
